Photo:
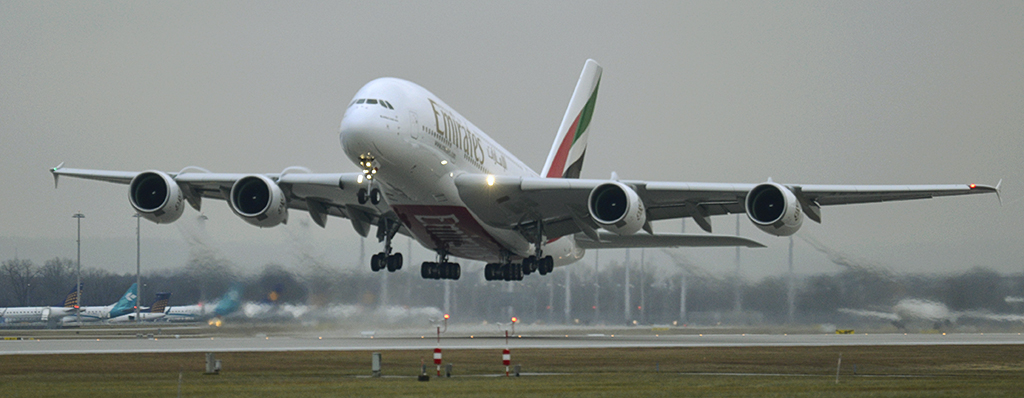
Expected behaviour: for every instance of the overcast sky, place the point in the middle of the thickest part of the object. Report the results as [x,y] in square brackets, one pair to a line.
[807,92]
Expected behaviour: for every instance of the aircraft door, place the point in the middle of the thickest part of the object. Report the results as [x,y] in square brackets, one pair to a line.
[414,125]
[46,314]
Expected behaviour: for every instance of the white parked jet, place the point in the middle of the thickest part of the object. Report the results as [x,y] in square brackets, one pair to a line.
[429,173]
[41,314]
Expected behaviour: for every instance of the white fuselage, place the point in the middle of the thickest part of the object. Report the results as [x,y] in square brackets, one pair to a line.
[419,145]
[33,314]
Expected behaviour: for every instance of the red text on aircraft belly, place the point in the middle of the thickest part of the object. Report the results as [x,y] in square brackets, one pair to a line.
[450,227]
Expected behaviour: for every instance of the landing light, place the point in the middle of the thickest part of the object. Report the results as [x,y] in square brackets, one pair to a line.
[490,180]
[444,162]
[359,180]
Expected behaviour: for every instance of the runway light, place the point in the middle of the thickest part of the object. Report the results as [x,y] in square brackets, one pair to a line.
[514,319]
[321,337]
[470,336]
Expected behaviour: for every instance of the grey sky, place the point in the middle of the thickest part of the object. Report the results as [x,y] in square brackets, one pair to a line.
[834,93]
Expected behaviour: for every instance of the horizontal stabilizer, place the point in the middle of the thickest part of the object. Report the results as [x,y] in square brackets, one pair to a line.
[614,241]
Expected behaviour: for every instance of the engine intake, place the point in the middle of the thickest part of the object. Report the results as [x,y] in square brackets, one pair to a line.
[156,196]
[617,208]
[774,209]
[259,201]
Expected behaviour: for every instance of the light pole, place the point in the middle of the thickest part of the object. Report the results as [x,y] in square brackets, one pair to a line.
[78,271]
[138,263]
[28,288]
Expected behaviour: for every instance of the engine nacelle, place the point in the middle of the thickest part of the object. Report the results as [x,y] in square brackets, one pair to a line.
[617,208]
[259,201]
[156,196]
[774,209]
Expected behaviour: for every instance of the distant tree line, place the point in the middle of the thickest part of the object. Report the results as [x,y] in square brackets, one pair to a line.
[595,297]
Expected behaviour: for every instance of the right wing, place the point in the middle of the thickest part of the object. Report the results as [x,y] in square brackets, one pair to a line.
[558,206]
[322,195]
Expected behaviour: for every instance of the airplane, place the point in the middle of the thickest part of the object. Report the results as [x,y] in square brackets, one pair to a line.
[123,306]
[42,314]
[429,173]
[155,311]
[224,306]
[914,309]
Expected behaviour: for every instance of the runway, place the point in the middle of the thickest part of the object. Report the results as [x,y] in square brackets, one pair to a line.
[271,344]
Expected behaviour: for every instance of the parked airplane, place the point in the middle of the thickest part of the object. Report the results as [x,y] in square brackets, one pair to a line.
[154,312]
[100,313]
[42,314]
[429,173]
[224,306]
[912,309]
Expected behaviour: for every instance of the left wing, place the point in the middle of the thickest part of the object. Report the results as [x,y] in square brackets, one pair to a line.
[559,207]
[322,195]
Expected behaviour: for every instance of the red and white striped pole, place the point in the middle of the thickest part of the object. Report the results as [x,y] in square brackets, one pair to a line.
[437,360]
[506,358]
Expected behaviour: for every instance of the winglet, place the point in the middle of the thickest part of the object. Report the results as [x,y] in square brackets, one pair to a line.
[57,176]
[998,197]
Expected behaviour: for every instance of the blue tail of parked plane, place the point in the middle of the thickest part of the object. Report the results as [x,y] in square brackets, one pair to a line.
[230,301]
[127,302]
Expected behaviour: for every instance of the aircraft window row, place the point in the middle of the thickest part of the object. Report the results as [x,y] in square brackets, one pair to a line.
[372,101]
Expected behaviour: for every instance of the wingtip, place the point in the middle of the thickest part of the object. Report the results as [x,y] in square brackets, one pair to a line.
[998,196]
[56,176]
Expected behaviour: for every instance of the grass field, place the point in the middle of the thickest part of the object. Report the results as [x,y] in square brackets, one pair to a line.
[930,371]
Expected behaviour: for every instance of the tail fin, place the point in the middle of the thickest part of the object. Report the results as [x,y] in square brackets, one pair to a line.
[230,302]
[127,302]
[162,299]
[71,300]
[566,157]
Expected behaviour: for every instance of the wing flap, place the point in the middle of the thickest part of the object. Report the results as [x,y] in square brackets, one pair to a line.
[613,241]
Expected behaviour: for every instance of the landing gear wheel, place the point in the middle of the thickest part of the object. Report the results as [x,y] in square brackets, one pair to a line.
[455,272]
[375,196]
[548,263]
[425,270]
[529,265]
[362,196]
[376,262]
[394,262]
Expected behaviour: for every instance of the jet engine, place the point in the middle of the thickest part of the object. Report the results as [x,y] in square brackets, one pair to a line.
[774,209]
[156,196]
[259,201]
[617,208]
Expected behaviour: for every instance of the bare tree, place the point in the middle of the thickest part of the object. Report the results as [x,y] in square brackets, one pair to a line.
[19,274]
[55,277]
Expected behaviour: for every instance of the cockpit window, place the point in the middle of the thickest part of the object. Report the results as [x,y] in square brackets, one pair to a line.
[372,101]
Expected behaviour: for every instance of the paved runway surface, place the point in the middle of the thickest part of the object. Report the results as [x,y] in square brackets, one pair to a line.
[249,344]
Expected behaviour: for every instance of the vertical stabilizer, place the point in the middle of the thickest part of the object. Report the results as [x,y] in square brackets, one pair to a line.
[71,300]
[160,303]
[127,302]
[566,157]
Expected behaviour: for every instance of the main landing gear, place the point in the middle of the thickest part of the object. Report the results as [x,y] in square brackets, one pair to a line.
[385,259]
[442,269]
[508,271]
